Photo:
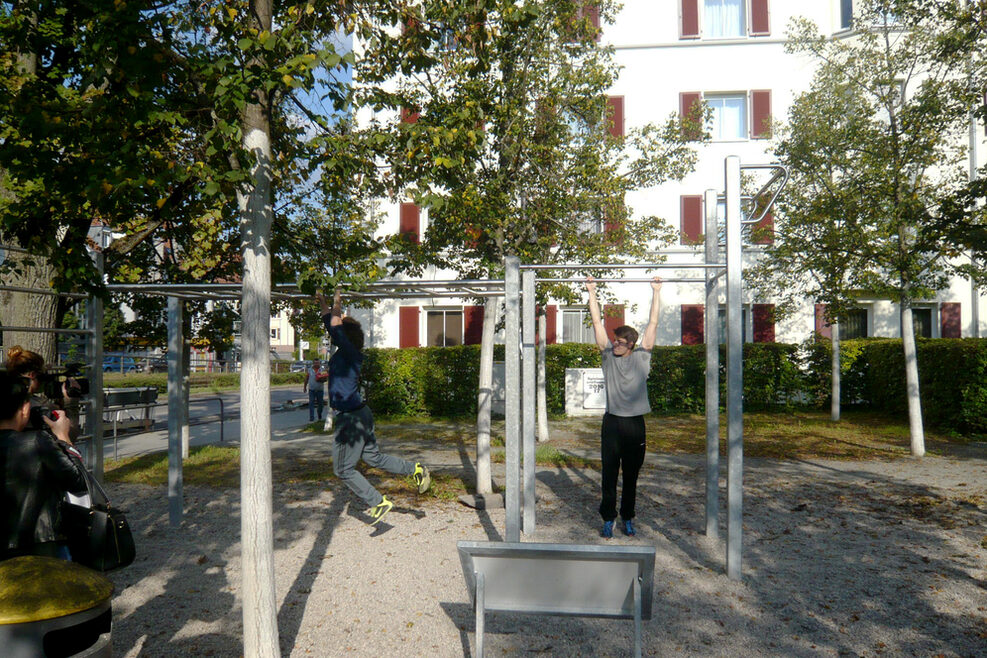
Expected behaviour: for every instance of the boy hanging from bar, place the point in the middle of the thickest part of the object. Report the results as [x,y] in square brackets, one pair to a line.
[622,437]
[354,437]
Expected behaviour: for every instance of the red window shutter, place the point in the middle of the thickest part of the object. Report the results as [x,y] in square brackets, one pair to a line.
[408,326]
[613,317]
[692,324]
[760,25]
[473,319]
[691,218]
[409,115]
[823,328]
[551,318]
[689,19]
[592,12]
[615,112]
[764,323]
[687,103]
[949,320]
[410,222]
[761,114]
[764,232]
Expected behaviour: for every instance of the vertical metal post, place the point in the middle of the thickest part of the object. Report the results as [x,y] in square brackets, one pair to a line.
[735,374]
[186,362]
[94,419]
[479,610]
[528,396]
[176,409]
[512,382]
[712,333]
[638,640]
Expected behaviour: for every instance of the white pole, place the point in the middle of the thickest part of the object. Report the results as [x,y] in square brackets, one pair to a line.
[94,421]
[512,381]
[712,333]
[735,374]
[176,409]
[528,396]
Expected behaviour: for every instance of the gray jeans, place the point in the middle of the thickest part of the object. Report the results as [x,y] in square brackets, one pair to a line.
[353,440]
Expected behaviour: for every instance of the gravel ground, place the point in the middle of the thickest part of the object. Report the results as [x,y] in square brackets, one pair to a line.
[840,559]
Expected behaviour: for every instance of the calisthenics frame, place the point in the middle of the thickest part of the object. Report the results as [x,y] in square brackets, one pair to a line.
[520,281]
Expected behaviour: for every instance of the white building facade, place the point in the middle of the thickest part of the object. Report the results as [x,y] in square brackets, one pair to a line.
[731,54]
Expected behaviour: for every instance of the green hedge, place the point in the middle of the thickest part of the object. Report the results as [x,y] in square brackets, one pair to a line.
[952,379]
[197,380]
[442,381]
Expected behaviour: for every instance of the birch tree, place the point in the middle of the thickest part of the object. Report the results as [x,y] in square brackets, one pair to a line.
[909,104]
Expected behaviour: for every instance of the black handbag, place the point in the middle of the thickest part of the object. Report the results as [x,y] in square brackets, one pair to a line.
[99,536]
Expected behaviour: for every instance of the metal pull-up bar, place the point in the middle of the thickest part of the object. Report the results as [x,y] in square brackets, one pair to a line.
[626,266]
[627,280]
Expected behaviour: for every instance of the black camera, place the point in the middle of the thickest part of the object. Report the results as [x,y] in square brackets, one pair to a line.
[35,421]
[51,383]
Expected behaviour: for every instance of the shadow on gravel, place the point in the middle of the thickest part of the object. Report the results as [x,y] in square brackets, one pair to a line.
[841,562]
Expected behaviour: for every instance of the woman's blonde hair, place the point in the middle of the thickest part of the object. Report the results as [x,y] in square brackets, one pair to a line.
[21,361]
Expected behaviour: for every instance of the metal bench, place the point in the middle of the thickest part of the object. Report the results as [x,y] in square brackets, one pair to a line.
[559,579]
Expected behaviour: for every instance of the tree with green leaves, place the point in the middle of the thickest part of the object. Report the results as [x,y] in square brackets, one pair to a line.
[876,146]
[508,139]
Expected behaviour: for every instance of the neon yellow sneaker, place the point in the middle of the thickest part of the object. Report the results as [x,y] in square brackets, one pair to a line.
[382,508]
[422,477]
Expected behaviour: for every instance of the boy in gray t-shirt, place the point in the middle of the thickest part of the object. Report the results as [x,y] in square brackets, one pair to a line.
[622,437]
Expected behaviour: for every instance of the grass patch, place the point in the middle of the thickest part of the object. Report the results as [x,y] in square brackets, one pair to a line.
[219,466]
[549,455]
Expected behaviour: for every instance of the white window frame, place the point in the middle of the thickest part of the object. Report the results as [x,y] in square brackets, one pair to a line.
[744,97]
[933,309]
[276,333]
[747,318]
[744,21]
[869,322]
[429,310]
[584,317]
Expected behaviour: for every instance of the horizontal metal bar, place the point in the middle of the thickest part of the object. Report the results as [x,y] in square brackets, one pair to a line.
[44,291]
[627,266]
[47,330]
[20,250]
[627,280]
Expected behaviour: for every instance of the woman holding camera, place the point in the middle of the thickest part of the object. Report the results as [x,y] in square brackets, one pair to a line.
[36,473]
[31,366]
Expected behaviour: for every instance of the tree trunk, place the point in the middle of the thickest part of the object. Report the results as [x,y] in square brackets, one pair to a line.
[260,628]
[542,398]
[916,431]
[22,309]
[834,412]
[484,406]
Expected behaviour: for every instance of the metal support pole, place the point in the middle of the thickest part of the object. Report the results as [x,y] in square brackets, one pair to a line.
[94,418]
[735,426]
[712,333]
[512,381]
[176,409]
[528,396]
[479,611]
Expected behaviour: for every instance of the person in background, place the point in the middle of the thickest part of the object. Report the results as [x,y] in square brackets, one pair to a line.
[622,437]
[315,384]
[38,468]
[354,438]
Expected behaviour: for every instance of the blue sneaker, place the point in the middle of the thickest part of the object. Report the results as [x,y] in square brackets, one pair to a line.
[629,528]
[607,529]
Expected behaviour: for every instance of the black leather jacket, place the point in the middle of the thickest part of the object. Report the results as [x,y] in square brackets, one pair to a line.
[36,474]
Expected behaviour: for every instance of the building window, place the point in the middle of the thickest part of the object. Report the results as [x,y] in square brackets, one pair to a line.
[729,121]
[846,14]
[444,328]
[576,327]
[723,19]
[854,324]
[722,317]
[922,322]
[275,334]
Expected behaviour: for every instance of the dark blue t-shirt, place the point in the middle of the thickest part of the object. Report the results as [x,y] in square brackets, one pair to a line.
[344,370]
